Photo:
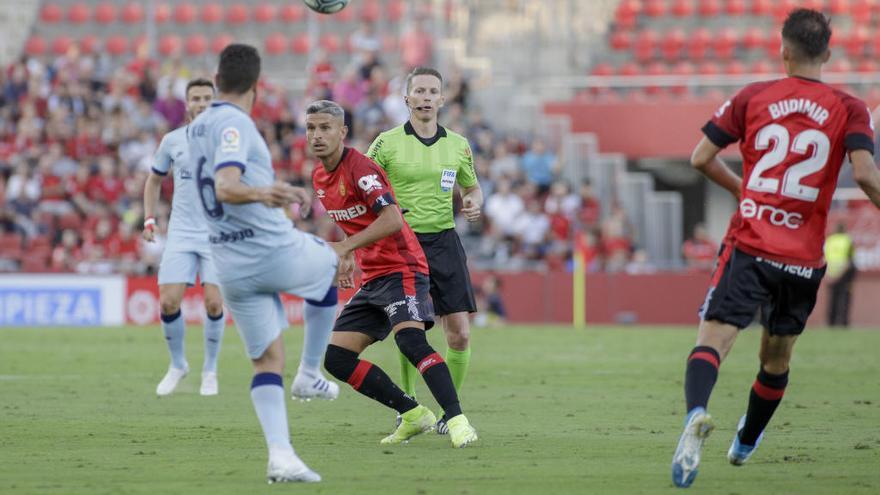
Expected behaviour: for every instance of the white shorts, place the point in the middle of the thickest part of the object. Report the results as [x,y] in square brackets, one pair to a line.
[255,302]
[181,264]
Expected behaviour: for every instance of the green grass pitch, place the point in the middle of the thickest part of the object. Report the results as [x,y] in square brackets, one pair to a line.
[558,411]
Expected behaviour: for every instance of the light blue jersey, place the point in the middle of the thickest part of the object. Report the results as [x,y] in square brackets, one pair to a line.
[187,228]
[242,236]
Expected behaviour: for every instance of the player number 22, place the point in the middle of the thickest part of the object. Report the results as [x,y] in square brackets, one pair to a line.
[791,181]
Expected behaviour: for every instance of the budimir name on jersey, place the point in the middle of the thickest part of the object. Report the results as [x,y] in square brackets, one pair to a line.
[799,105]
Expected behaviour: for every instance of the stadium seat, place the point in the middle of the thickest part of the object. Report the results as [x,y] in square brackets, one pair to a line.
[237,14]
[602,70]
[370,10]
[867,66]
[698,44]
[105,13]
[840,65]
[35,46]
[735,8]
[629,69]
[61,44]
[330,43]
[390,43]
[709,8]
[344,15]
[781,9]
[682,8]
[220,42]
[672,44]
[655,69]
[184,13]
[708,68]
[133,13]
[212,13]
[196,44]
[275,44]
[724,44]
[116,45]
[292,13]
[765,67]
[78,13]
[169,44]
[861,11]
[762,8]
[264,12]
[51,13]
[655,8]
[735,68]
[683,68]
[754,38]
[645,45]
[772,45]
[300,44]
[394,10]
[39,243]
[10,246]
[838,7]
[621,40]
[626,13]
[36,261]
[88,44]
[163,13]
[856,42]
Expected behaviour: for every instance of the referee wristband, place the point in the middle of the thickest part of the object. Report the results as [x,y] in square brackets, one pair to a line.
[150,223]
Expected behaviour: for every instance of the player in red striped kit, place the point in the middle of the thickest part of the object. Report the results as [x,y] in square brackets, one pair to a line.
[794,135]
[394,294]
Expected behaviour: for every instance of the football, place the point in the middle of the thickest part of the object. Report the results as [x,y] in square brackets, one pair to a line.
[326,6]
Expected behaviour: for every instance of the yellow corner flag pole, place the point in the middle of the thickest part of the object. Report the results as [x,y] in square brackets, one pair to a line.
[579,288]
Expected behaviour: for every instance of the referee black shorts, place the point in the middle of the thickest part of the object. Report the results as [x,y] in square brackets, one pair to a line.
[451,287]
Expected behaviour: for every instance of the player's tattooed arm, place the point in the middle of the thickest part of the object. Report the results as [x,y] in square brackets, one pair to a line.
[705,159]
[866,174]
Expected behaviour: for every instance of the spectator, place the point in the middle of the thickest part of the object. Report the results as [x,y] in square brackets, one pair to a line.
[531,231]
[699,251]
[491,304]
[539,165]
[590,210]
[416,46]
[503,208]
[23,188]
[171,108]
[561,200]
[365,42]
[504,164]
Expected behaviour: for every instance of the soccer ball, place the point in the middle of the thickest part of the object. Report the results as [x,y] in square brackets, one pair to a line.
[326,6]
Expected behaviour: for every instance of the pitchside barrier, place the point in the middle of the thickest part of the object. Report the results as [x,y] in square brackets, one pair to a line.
[668,298]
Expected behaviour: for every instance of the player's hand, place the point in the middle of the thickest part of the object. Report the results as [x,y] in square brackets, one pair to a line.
[149,232]
[278,194]
[304,199]
[470,209]
[345,272]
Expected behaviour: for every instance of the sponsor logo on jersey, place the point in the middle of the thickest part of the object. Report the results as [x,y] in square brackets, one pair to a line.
[348,213]
[230,140]
[369,183]
[320,193]
[184,173]
[748,208]
[225,237]
[447,180]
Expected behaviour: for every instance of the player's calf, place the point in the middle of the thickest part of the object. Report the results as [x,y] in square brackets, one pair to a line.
[366,378]
[415,347]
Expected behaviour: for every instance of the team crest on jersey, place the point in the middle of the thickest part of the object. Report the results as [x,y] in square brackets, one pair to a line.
[369,183]
[342,188]
[230,140]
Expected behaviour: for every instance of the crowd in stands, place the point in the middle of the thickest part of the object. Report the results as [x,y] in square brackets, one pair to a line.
[77,136]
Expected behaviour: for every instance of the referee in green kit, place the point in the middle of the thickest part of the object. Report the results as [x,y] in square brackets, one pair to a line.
[424,161]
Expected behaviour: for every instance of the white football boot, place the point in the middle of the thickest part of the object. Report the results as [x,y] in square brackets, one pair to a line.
[171,380]
[286,467]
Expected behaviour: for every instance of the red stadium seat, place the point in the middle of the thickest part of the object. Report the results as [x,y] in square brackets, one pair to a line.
[860,10]
[330,43]
[51,13]
[621,40]
[672,44]
[116,45]
[813,4]
[344,15]
[655,69]
[629,69]
[78,13]
[61,44]
[237,14]
[626,13]
[133,13]
[762,7]
[88,44]
[735,8]
[724,44]
[184,13]
[867,66]
[838,7]
[370,11]
[292,13]
[105,13]
[212,13]
[40,243]
[765,67]
[655,8]
[264,12]
[645,45]
[856,42]
[196,44]
[754,38]
[708,68]
[70,221]
[220,42]
[35,46]
[782,8]
[709,8]
[300,44]
[37,262]
[698,44]
[735,67]
[683,8]
[683,68]
[840,65]
[163,13]
[169,44]
[394,10]
[602,70]
[276,44]
[773,44]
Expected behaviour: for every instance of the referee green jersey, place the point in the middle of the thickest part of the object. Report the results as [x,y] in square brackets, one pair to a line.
[423,173]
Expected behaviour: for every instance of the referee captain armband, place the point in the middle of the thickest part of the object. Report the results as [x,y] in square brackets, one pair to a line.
[150,223]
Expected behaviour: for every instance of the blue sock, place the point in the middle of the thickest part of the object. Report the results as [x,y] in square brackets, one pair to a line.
[174,328]
[267,394]
[319,317]
[213,338]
